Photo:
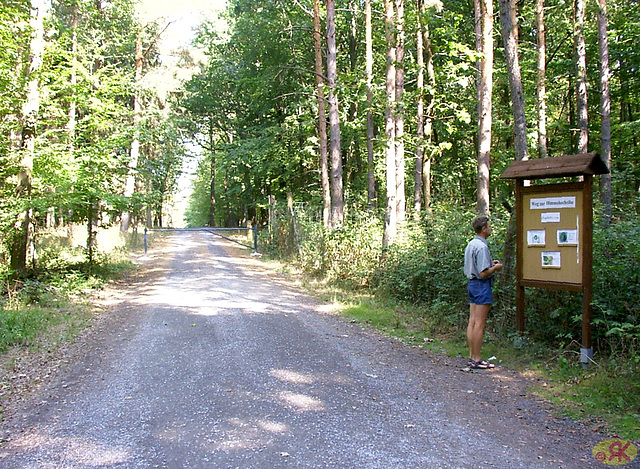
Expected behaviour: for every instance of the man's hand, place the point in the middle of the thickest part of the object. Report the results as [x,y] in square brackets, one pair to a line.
[497,266]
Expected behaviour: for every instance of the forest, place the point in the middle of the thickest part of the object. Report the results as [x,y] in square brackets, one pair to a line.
[360,136]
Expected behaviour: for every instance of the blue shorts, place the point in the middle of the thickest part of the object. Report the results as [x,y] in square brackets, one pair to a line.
[480,292]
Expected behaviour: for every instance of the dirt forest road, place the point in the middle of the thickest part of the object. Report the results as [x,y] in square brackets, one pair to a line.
[210,360]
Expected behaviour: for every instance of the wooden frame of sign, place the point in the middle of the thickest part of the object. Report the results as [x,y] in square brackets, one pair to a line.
[554,235]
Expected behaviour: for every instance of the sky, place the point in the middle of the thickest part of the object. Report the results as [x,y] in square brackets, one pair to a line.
[185,15]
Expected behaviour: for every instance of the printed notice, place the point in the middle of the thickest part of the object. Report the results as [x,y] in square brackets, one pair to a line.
[547,203]
[551,260]
[567,237]
[550,217]
[536,237]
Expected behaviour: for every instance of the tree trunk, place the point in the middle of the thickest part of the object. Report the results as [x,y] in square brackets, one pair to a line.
[19,241]
[73,79]
[484,43]
[605,108]
[371,182]
[581,82]
[295,238]
[399,114]
[428,124]
[541,85]
[515,80]
[509,38]
[417,187]
[322,116]
[390,220]
[134,155]
[212,181]
[337,200]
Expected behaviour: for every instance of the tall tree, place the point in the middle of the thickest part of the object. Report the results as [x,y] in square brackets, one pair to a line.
[399,113]
[484,46]
[30,111]
[134,154]
[337,197]
[371,181]
[429,112]
[605,106]
[322,115]
[542,78]
[391,220]
[581,77]
[420,134]
[509,39]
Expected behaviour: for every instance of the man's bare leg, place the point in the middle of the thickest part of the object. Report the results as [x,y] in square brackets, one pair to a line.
[475,330]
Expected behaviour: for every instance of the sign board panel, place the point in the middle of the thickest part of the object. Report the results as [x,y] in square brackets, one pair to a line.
[553,234]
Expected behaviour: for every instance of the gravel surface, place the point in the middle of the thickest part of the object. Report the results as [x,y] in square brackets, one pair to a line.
[208,359]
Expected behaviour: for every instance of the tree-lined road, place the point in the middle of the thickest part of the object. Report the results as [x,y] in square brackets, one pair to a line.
[222,364]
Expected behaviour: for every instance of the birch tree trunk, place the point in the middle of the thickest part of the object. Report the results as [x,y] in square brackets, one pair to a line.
[371,182]
[390,219]
[399,114]
[337,200]
[541,88]
[581,84]
[322,116]
[484,44]
[605,107]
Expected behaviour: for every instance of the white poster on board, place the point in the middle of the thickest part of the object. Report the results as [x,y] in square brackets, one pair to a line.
[567,237]
[547,203]
[536,238]
[551,259]
[550,217]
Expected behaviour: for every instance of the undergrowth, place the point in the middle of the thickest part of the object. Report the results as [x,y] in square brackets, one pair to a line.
[47,305]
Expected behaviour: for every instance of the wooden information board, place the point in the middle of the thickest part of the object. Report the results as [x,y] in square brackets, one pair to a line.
[552,235]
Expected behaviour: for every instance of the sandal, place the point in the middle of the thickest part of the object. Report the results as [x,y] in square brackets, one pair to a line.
[480,365]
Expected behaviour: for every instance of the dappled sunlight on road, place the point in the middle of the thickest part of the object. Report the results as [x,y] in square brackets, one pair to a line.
[301,402]
[244,434]
[77,451]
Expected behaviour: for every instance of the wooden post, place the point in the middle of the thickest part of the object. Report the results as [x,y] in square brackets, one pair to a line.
[520,302]
[586,353]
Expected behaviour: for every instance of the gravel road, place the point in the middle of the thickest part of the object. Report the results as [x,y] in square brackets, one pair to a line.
[211,360]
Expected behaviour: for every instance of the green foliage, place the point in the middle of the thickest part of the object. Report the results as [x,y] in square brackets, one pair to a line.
[348,254]
[48,305]
[608,389]
[617,286]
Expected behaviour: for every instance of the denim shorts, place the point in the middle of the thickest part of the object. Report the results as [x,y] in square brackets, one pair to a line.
[480,291]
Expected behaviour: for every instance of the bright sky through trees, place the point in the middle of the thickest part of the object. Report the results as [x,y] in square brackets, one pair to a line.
[185,14]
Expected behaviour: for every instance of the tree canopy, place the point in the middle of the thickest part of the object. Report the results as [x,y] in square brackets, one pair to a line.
[96,123]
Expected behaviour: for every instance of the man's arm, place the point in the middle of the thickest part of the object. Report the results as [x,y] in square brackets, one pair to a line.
[496,267]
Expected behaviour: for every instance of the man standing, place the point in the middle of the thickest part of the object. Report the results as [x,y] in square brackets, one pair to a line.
[479,269]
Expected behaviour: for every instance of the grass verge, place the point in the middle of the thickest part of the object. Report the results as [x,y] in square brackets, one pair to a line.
[50,305]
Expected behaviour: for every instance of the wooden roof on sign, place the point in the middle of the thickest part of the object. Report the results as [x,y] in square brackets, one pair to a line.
[560,166]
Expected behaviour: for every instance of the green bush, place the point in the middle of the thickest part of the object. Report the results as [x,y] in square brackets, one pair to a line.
[424,268]
[617,285]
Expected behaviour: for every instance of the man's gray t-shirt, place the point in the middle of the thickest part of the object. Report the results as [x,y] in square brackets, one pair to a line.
[477,258]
